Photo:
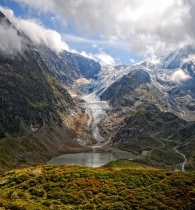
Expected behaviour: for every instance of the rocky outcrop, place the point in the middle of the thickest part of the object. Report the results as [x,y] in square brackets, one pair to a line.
[88,67]
[67,67]
[122,92]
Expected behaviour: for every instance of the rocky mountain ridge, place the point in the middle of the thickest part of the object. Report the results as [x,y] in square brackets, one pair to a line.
[29,94]
[38,117]
[68,67]
[171,91]
[176,93]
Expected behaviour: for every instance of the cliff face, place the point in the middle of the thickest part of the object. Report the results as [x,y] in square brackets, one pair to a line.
[66,67]
[29,94]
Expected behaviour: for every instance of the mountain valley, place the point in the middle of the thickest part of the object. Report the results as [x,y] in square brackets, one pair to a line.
[55,103]
[97,105]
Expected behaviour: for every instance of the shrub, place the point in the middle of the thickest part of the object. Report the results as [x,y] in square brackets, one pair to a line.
[22,178]
[46,203]
[33,183]
[36,192]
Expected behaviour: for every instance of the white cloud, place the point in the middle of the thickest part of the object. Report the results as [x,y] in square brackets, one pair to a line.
[105,58]
[87,55]
[148,26]
[93,42]
[36,32]
[52,39]
[94,45]
[101,57]
[10,41]
[190,58]
[180,76]
[132,60]
[77,39]
[154,60]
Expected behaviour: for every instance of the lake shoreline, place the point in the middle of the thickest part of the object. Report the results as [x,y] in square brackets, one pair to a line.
[91,159]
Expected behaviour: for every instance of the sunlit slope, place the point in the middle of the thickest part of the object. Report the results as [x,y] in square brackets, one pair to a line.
[120,185]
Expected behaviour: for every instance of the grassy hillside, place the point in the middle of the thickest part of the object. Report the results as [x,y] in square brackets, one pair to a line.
[154,135]
[120,185]
[187,136]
